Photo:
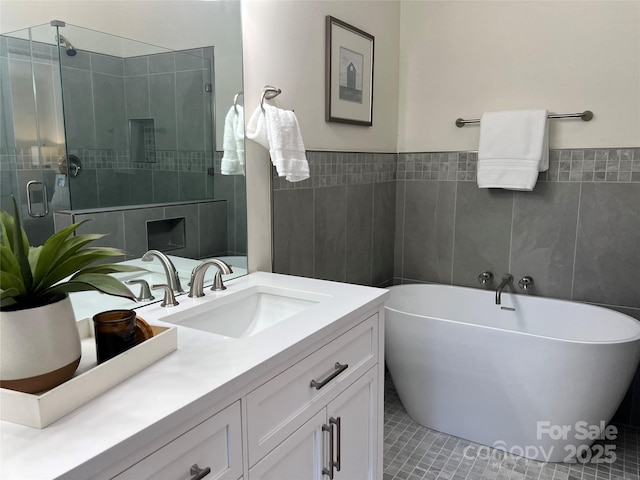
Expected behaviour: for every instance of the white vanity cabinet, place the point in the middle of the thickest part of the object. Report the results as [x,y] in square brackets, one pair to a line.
[319,418]
[211,450]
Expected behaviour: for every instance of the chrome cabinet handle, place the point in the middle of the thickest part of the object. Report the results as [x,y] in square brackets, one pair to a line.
[198,473]
[45,200]
[325,470]
[338,370]
[337,422]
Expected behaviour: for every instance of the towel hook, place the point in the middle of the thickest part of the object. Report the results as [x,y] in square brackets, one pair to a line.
[268,92]
[235,100]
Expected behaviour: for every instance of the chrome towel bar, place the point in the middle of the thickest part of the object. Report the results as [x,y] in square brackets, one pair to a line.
[586,116]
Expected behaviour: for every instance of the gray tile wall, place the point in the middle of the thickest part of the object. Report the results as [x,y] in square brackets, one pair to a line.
[338,224]
[205,227]
[577,234]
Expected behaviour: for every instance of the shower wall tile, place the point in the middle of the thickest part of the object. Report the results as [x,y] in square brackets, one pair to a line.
[135,229]
[482,233]
[212,228]
[190,102]
[134,66]
[330,233]
[137,95]
[163,109]
[608,250]
[192,185]
[189,59]
[78,108]
[84,189]
[165,186]
[192,237]
[239,219]
[428,231]
[544,237]
[359,248]
[110,112]
[161,63]
[107,64]
[113,187]
[293,226]
[80,61]
[383,234]
[141,187]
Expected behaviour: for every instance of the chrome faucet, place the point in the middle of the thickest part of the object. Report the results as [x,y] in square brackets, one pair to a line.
[507,279]
[173,280]
[197,277]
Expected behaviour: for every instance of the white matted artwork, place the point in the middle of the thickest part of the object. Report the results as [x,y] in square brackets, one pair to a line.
[349,74]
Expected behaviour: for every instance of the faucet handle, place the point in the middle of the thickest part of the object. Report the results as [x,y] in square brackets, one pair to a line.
[526,282]
[485,277]
[169,299]
[145,293]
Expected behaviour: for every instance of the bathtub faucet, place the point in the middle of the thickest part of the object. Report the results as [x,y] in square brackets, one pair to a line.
[507,279]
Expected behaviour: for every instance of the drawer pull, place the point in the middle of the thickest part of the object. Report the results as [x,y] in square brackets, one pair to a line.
[198,473]
[338,370]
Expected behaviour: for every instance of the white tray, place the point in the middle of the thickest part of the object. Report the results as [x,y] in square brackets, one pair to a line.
[90,380]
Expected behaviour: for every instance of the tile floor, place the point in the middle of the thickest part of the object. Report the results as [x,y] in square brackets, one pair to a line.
[414,452]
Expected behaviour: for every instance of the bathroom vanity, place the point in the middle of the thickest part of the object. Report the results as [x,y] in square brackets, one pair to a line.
[296,391]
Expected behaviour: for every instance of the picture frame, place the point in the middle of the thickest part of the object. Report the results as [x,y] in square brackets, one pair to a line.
[348,73]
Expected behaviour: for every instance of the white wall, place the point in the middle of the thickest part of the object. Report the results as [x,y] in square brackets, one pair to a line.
[462,58]
[174,24]
[284,45]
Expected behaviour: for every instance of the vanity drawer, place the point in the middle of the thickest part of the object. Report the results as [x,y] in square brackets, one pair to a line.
[277,408]
[215,443]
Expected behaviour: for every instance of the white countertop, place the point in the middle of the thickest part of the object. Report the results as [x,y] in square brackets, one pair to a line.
[205,369]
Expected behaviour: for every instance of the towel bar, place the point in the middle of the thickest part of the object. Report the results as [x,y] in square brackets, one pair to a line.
[585,116]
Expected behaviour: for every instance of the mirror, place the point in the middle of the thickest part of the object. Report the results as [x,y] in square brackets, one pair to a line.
[123,132]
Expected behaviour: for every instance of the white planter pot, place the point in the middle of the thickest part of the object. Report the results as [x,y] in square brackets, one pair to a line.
[39,347]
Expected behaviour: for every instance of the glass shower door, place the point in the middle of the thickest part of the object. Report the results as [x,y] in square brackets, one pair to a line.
[32,147]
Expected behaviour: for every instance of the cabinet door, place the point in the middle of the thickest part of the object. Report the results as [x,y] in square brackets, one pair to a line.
[214,444]
[299,457]
[357,435]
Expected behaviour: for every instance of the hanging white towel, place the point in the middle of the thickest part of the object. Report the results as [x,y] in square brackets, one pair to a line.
[257,128]
[278,131]
[513,149]
[285,144]
[233,158]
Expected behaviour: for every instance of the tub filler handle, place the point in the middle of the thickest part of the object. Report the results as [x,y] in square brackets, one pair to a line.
[338,370]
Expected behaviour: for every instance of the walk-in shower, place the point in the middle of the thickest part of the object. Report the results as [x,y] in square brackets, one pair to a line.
[91,120]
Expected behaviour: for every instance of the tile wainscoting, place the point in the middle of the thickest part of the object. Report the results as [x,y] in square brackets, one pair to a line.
[419,217]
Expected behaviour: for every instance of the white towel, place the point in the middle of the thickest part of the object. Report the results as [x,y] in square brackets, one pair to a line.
[233,158]
[513,149]
[278,131]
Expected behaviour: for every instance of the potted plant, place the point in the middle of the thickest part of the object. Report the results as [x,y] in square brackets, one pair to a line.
[39,341]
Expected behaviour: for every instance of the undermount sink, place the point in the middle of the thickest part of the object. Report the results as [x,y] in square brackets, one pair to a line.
[247,312]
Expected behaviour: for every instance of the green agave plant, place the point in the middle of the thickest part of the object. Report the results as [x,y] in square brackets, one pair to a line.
[36,276]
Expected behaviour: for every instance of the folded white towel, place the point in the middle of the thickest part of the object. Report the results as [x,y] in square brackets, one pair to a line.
[233,158]
[513,149]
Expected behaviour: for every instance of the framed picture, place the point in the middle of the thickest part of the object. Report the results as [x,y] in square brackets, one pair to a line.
[348,74]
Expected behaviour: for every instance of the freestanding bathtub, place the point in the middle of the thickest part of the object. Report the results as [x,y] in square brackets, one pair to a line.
[538,377]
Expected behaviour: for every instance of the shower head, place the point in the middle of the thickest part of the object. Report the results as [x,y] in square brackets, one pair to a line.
[67,45]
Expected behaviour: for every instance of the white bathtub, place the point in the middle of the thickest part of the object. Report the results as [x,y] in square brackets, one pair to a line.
[540,381]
